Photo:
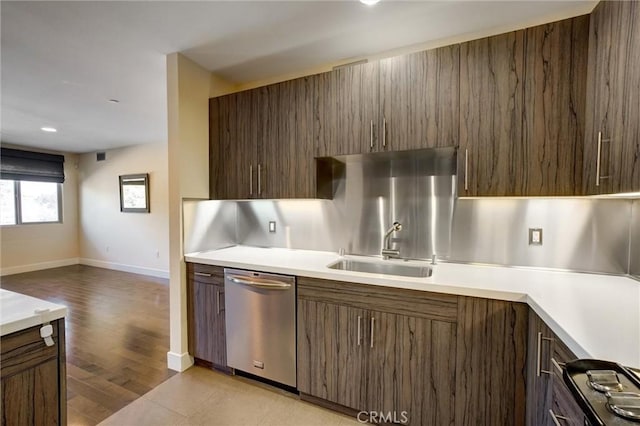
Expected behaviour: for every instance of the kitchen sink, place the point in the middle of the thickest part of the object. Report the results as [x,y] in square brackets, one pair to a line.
[382,268]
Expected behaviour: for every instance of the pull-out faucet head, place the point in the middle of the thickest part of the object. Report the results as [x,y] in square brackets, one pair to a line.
[387,252]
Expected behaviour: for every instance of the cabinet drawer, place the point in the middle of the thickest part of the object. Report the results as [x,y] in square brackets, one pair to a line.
[206,274]
[25,349]
[421,304]
[563,406]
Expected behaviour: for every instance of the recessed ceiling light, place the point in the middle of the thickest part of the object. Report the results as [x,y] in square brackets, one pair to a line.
[114,101]
[369,2]
[49,129]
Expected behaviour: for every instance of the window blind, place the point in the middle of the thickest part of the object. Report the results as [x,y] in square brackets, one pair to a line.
[17,164]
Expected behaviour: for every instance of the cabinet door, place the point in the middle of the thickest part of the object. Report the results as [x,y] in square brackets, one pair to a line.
[207,338]
[346,111]
[233,133]
[539,385]
[419,99]
[491,159]
[331,355]
[613,106]
[287,163]
[554,106]
[411,369]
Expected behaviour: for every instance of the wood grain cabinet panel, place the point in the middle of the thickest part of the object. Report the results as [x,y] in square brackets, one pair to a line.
[491,359]
[547,395]
[419,100]
[491,159]
[346,110]
[206,318]
[33,378]
[554,106]
[613,105]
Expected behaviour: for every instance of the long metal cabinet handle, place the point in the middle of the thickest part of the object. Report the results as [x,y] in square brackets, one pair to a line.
[259,179]
[558,365]
[373,320]
[466,169]
[218,302]
[598,159]
[250,179]
[371,134]
[268,284]
[555,418]
[539,369]
[359,333]
[384,132]
[202,274]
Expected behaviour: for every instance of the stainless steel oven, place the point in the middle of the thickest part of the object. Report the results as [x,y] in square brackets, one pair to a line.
[261,324]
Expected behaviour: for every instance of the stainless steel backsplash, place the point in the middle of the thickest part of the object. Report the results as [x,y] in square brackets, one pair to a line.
[208,224]
[634,242]
[578,234]
[581,234]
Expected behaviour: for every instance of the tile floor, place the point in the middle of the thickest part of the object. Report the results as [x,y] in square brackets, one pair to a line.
[203,397]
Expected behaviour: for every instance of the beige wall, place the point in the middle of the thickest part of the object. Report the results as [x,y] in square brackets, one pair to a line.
[26,248]
[189,87]
[133,242]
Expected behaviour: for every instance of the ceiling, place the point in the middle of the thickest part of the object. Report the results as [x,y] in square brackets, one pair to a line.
[63,61]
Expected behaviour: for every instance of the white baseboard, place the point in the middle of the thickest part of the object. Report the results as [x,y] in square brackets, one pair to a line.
[179,362]
[125,268]
[38,266]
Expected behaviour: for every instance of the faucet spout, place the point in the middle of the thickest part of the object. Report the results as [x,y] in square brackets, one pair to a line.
[387,252]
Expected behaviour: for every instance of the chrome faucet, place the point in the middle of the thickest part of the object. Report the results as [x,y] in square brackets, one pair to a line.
[387,252]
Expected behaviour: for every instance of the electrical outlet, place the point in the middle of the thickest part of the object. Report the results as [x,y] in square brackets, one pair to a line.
[157,253]
[535,236]
[272,226]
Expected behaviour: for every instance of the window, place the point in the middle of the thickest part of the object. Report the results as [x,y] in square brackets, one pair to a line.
[23,202]
[30,187]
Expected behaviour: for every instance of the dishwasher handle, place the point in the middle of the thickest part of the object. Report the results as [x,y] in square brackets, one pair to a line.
[262,283]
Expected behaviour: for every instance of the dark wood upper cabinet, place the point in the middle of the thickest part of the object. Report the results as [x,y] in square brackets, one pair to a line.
[491,159]
[554,106]
[612,139]
[261,143]
[419,100]
[346,110]
[522,111]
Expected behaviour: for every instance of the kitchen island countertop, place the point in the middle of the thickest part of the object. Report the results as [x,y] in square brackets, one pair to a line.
[18,312]
[596,316]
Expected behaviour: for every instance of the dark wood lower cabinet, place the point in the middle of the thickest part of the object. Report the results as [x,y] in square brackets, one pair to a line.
[413,357]
[205,307]
[33,378]
[547,395]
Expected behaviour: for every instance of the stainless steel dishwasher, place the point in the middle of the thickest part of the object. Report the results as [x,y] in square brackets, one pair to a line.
[261,324]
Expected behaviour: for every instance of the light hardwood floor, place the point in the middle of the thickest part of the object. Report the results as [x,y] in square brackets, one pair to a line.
[117,332]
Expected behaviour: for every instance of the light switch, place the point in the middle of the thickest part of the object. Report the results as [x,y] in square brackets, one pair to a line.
[535,236]
[272,226]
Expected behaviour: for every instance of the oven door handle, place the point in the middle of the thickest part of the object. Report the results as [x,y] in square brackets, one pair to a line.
[263,283]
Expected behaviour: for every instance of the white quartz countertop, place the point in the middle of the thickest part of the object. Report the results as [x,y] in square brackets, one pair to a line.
[18,312]
[596,316]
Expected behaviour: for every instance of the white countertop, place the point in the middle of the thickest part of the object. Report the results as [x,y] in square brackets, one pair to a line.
[18,312]
[596,316]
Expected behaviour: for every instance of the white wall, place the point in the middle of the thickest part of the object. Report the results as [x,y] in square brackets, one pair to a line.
[189,87]
[133,242]
[26,248]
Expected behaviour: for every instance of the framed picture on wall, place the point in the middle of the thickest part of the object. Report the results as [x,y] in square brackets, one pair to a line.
[134,193]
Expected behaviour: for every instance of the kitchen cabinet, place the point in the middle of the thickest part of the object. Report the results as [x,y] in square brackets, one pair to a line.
[612,139]
[346,110]
[547,395]
[206,317]
[400,103]
[522,108]
[33,377]
[554,107]
[438,358]
[261,143]
[419,100]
